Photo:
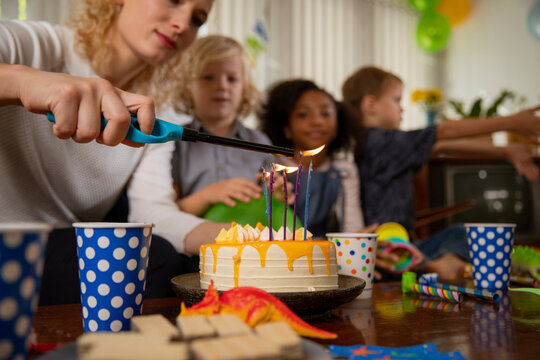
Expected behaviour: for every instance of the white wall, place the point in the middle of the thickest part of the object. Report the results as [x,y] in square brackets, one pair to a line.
[491,51]
[327,40]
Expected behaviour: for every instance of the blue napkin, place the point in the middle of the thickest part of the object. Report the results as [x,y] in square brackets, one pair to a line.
[424,351]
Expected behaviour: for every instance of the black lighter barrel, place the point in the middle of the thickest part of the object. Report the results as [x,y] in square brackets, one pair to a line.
[193,135]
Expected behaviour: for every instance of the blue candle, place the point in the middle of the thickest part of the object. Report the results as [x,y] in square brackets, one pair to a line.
[266,194]
[296,198]
[270,207]
[307,200]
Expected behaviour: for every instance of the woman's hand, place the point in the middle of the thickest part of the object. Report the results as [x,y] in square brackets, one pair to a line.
[77,104]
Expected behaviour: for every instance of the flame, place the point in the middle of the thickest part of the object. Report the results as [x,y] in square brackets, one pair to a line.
[288,169]
[313,152]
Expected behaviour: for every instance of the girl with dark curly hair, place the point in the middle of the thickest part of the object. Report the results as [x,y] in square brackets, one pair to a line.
[300,114]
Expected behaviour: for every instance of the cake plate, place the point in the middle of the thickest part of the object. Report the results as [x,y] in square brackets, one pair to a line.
[308,303]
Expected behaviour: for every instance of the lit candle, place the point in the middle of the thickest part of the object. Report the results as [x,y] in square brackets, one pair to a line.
[286,170]
[307,199]
[266,194]
[285,207]
[270,207]
[309,153]
[296,198]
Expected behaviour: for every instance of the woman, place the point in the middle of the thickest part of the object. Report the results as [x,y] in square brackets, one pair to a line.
[115,50]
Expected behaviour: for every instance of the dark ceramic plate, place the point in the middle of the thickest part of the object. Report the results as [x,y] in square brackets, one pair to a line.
[312,351]
[187,287]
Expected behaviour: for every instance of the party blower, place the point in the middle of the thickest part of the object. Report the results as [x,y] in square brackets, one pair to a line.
[165,131]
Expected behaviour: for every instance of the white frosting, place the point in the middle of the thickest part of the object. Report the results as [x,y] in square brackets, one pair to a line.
[279,236]
[265,234]
[275,275]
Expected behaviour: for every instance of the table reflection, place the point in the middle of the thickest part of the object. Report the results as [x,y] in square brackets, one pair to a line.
[492,327]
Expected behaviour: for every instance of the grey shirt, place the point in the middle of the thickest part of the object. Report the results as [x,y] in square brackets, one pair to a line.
[196,165]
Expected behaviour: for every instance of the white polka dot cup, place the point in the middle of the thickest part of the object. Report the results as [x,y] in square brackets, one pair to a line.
[356,257]
[113,260]
[22,247]
[490,249]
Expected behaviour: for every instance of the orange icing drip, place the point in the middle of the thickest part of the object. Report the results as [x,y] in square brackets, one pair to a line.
[292,249]
[237,260]
[203,261]
[326,253]
[262,249]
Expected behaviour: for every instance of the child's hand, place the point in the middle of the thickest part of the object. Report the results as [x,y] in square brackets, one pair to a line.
[278,190]
[520,156]
[226,191]
[386,260]
[369,229]
[527,123]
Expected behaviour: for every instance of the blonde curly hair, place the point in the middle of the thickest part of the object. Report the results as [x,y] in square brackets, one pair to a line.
[91,21]
[203,51]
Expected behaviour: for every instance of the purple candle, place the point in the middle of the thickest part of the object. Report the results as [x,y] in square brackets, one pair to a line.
[266,194]
[285,208]
[270,207]
[296,198]
[307,200]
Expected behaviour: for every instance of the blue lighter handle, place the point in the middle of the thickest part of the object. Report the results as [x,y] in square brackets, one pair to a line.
[163,131]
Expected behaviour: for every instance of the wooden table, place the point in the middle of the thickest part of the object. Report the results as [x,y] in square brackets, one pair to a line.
[479,330]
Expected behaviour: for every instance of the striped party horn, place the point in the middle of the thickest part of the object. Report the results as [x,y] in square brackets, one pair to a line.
[475,293]
[524,280]
[438,292]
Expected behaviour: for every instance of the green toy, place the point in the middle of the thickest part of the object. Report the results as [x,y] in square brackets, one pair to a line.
[251,213]
[408,279]
[525,262]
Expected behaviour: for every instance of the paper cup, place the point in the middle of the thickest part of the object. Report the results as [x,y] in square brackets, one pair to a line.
[356,257]
[113,259]
[490,249]
[22,248]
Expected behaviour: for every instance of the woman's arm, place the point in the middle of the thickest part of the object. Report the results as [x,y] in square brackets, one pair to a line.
[152,197]
[524,122]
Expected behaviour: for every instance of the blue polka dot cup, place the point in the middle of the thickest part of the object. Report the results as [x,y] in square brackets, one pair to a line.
[356,257]
[22,247]
[113,260]
[490,250]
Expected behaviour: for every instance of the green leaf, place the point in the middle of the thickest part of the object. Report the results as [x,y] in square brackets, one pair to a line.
[492,111]
[458,107]
[476,109]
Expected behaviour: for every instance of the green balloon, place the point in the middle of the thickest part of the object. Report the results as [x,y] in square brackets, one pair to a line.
[433,32]
[424,5]
[251,213]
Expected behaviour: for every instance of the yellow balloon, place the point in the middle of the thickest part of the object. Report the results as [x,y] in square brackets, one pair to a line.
[456,11]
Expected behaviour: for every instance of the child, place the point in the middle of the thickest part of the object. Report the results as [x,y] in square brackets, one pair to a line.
[387,157]
[301,115]
[218,91]
[216,88]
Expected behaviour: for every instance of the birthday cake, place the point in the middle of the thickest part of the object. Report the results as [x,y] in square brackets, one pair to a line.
[245,256]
